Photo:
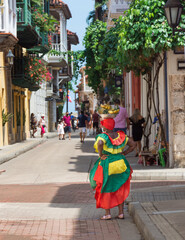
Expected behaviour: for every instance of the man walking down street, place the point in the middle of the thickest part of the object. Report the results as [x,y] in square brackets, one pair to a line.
[95,118]
[67,121]
[82,124]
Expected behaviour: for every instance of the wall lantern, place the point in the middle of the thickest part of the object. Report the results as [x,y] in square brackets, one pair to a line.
[173,10]
[10,58]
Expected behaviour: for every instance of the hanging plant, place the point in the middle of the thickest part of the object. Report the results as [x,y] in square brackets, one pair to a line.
[36,72]
[45,22]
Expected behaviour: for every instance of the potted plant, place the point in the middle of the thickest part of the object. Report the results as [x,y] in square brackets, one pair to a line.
[5,118]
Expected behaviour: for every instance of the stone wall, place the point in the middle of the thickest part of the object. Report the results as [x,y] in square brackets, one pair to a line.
[177,124]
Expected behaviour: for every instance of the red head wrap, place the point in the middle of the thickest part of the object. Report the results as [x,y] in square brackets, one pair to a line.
[108,123]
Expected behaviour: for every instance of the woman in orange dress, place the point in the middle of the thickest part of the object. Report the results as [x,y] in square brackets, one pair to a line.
[111,174]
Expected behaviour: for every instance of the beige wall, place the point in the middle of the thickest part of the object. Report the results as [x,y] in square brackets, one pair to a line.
[3,102]
[176,104]
[177,118]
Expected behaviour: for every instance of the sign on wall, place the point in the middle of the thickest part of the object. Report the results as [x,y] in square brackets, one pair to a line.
[119,6]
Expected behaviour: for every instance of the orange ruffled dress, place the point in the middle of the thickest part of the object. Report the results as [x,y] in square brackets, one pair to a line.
[111,177]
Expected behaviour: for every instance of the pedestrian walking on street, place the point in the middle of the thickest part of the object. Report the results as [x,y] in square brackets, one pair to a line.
[111,174]
[72,121]
[42,125]
[33,122]
[88,123]
[137,121]
[121,120]
[95,119]
[67,128]
[60,129]
[82,124]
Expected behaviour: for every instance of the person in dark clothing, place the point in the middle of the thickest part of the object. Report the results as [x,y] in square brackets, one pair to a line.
[33,121]
[137,121]
[82,124]
[95,119]
[88,115]
[72,121]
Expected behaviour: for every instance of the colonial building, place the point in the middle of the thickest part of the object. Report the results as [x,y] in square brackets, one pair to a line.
[8,39]
[58,60]
[171,95]
[33,41]
[86,99]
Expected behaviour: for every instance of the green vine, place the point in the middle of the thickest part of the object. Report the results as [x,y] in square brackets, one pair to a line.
[94,35]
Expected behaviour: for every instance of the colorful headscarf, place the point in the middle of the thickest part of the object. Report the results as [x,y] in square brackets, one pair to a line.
[108,123]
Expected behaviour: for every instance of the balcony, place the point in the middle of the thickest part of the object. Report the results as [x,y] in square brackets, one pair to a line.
[28,35]
[57,58]
[8,24]
[18,75]
[43,47]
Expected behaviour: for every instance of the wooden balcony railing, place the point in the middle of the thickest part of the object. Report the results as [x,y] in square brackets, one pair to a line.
[24,13]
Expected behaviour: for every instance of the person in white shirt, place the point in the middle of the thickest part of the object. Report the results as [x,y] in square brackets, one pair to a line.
[60,129]
[42,125]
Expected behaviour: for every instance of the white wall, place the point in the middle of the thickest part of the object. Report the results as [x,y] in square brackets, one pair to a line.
[38,105]
[8,20]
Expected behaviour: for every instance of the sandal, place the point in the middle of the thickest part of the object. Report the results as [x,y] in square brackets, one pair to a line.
[121,216]
[106,217]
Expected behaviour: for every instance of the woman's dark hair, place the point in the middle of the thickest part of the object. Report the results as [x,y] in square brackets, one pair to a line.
[117,101]
[82,112]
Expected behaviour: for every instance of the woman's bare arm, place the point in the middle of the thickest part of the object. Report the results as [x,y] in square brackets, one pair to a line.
[131,145]
[100,150]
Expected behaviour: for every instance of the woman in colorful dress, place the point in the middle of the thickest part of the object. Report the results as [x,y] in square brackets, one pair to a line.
[111,174]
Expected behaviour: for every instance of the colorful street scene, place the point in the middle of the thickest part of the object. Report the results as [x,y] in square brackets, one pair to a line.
[92,120]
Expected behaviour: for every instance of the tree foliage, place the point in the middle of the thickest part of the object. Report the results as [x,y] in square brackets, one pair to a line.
[94,36]
[144,35]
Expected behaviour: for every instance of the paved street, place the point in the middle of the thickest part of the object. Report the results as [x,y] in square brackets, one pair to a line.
[45,194]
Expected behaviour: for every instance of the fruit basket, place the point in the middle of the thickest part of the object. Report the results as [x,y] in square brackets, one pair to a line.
[107,111]
[108,115]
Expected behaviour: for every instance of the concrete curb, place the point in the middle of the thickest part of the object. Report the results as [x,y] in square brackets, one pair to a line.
[162,174]
[146,227]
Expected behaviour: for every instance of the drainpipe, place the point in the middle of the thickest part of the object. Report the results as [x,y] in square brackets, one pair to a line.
[167,111]
[166,96]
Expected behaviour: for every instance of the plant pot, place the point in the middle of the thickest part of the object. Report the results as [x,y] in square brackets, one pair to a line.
[34,88]
[3,134]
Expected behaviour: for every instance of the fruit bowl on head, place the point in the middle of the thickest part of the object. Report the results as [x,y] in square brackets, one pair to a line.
[107,115]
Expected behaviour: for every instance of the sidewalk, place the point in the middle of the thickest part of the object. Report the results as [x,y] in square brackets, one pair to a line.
[159,213]
[11,151]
